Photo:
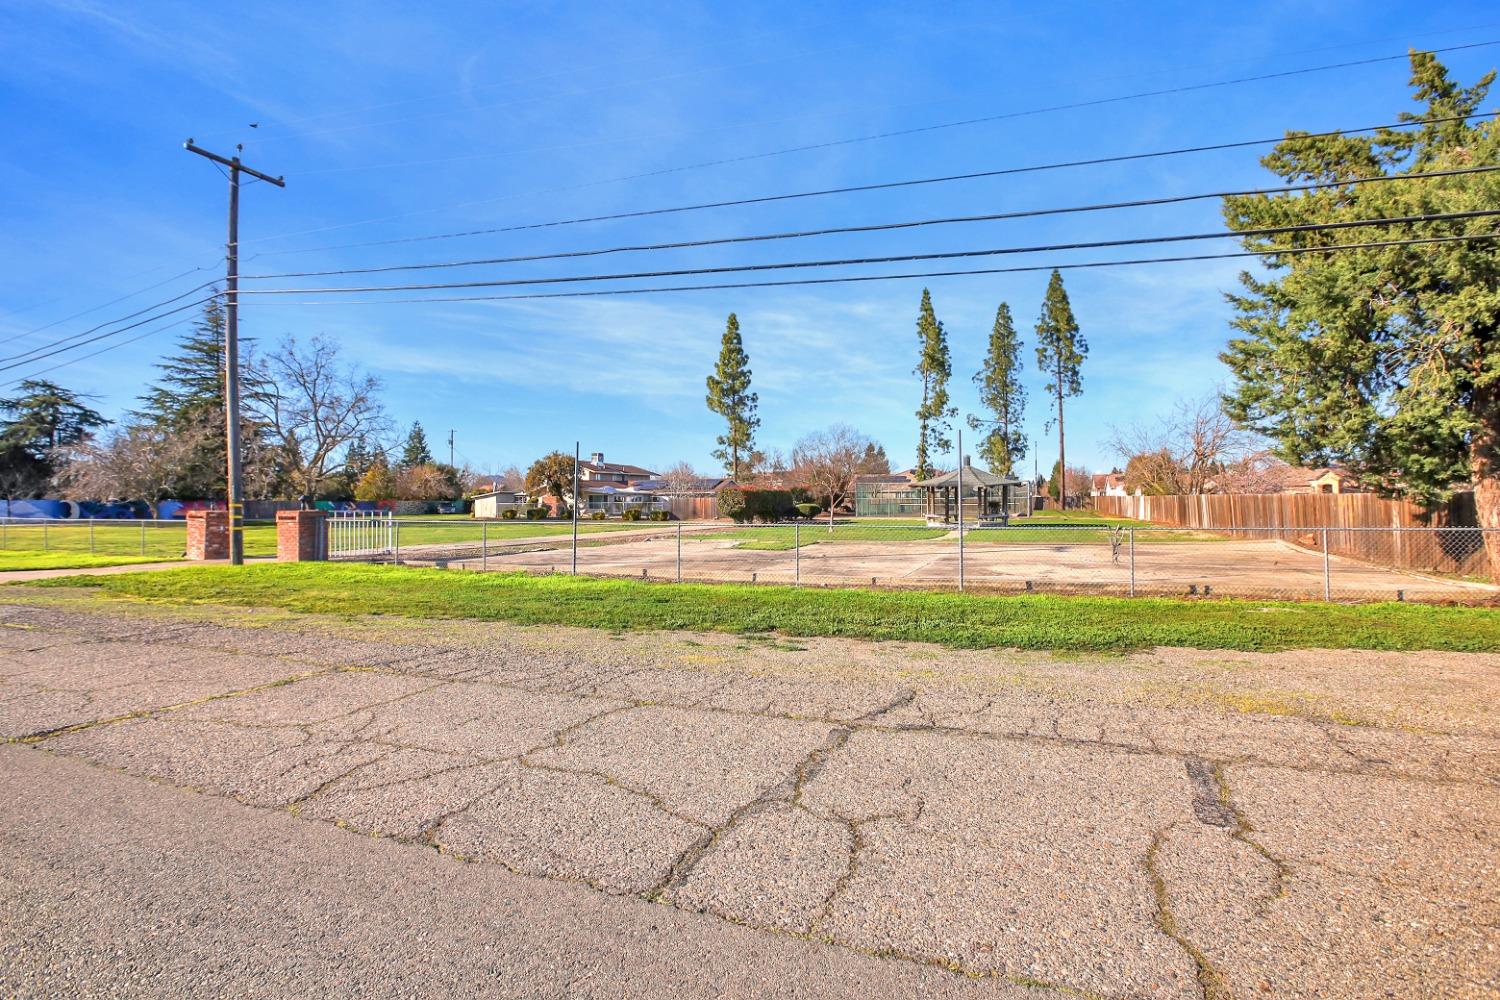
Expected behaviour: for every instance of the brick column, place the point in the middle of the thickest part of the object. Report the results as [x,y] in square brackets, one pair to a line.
[300,536]
[207,534]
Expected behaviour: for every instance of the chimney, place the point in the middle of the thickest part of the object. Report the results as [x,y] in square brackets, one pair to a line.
[966,461]
[596,458]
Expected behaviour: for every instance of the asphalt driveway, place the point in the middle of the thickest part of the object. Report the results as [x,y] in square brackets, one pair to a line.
[406,809]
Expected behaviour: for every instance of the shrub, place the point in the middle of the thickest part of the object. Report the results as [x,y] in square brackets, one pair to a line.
[630,514]
[809,510]
[757,505]
[535,513]
[563,513]
[661,515]
[509,513]
[597,515]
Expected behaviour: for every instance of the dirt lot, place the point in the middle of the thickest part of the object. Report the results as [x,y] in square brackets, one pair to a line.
[1260,568]
[263,804]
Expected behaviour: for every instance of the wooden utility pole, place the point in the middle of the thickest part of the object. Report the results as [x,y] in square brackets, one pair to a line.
[450,449]
[236,499]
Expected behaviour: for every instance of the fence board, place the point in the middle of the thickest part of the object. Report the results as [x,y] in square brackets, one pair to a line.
[1301,517]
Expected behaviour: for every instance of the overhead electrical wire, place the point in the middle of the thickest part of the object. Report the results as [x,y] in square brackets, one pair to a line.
[901,132]
[121,319]
[103,350]
[104,305]
[842,279]
[878,227]
[882,186]
[845,279]
[59,347]
[889,259]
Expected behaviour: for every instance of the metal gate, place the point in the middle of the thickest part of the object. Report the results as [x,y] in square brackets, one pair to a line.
[361,535]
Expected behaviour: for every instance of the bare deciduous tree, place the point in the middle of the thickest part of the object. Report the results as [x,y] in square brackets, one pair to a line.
[1196,449]
[826,462]
[137,462]
[313,407]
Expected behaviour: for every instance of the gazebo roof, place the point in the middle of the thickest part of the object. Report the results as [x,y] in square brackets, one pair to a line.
[972,477]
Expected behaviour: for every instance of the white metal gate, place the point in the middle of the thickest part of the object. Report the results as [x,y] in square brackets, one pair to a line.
[368,535]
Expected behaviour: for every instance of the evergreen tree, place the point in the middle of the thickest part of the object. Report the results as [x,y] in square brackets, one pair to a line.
[187,401]
[37,423]
[730,397]
[377,483]
[1001,392]
[1385,359]
[415,452]
[874,461]
[1060,351]
[934,367]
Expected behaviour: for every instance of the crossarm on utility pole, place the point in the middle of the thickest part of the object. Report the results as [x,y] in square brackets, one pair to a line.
[235,490]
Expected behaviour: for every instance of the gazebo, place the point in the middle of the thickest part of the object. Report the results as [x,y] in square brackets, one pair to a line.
[986,496]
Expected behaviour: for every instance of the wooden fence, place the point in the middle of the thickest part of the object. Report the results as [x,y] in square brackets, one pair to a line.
[694,508]
[1300,518]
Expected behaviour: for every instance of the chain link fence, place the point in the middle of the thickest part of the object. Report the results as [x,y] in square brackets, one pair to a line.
[1339,564]
[145,539]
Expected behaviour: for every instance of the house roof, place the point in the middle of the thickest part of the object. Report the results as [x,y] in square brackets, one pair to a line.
[612,467]
[702,485]
[895,478]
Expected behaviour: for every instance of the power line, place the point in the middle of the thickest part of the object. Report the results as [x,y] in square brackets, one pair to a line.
[103,350]
[121,319]
[880,227]
[1097,102]
[105,305]
[103,336]
[845,279]
[858,188]
[894,258]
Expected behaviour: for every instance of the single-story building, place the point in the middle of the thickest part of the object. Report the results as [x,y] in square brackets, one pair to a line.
[1329,479]
[977,495]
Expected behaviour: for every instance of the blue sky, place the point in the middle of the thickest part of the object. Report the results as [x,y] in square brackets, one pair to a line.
[392,121]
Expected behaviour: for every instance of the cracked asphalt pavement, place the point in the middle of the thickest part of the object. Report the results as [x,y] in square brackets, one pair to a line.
[209,802]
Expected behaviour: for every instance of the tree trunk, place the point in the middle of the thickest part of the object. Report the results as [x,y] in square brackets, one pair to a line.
[1062,451]
[1484,466]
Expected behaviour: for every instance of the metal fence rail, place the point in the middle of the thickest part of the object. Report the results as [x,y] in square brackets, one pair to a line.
[1340,564]
[139,538]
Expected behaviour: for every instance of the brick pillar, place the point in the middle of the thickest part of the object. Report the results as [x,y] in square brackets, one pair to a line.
[207,534]
[300,536]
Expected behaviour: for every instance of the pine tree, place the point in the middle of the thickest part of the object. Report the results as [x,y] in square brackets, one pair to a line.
[415,452]
[1060,351]
[187,401]
[37,423]
[1001,392]
[730,397]
[1384,359]
[934,367]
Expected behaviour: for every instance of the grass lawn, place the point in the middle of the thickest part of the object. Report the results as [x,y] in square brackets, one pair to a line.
[447,529]
[1038,622]
[11,560]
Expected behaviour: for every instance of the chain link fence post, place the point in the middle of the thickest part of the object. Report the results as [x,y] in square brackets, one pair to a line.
[44,536]
[1327,583]
[1132,561]
[679,550]
[395,542]
[797,551]
[91,536]
[143,538]
[484,545]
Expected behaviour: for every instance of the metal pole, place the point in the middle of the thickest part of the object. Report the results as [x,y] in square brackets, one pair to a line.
[44,536]
[960,507]
[576,446]
[679,551]
[1132,562]
[797,549]
[395,541]
[484,545]
[1327,585]
[91,536]
[143,538]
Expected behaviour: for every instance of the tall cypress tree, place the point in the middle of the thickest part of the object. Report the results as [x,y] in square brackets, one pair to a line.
[1060,350]
[730,397]
[1001,392]
[934,367]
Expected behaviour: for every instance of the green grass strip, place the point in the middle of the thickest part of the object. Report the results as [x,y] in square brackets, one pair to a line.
[1034,622]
